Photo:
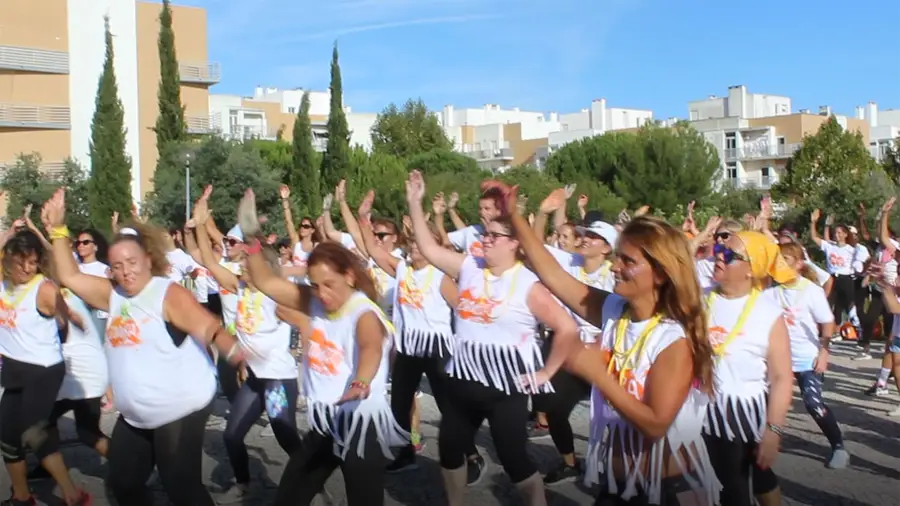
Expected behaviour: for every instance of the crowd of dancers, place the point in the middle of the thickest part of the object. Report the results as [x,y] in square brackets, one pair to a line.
[686,342]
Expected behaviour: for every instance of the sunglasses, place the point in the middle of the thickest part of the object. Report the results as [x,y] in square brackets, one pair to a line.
[383,235]
[723,236]
[85,242]
[231,241]
[728,255]
[306,226]
[494,235]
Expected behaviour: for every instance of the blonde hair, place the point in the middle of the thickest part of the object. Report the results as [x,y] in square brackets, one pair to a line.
[152,241]
[679,297]
[795,250]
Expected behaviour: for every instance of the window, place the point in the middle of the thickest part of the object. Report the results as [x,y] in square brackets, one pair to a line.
[731,171]
[766,171]
[730,141]
[292,110]
[695,115]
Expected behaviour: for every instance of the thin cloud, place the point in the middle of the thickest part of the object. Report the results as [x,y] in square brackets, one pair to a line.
[331,34]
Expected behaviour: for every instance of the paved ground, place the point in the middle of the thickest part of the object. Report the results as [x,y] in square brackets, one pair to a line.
[872,480]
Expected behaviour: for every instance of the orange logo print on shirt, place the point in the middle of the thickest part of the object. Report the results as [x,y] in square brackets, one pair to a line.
[7,315]
[790,316]
[717,335]
[474,308]
[123,331]
[324,357]
[248,317]
[836,260]
[410,295]
[476,249]
[629,382]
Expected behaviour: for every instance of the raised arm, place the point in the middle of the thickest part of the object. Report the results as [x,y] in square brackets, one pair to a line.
[288,216]
[93,290]
[884,230]
[275,287]
[329,232]
[439,208]
[227,279]
[352,225]
[813,221]
[457,220]
[383,258]
[583,299]
[447,261]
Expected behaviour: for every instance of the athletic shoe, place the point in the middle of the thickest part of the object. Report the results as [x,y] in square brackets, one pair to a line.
[878,390]
[236,494]
[476,468]
[15,502]
[564,473]
[538,431]
[839,459]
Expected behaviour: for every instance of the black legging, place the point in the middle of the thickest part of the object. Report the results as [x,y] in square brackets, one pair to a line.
[278,398]
[568,391]
[87,420]
[310,466]
[26,406]
[406,374]
[843,296]
[869,318]
[468,404]
[176,449]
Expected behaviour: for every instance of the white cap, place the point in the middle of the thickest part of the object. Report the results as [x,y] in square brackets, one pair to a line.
[603,229]
[236,233]
[128,231]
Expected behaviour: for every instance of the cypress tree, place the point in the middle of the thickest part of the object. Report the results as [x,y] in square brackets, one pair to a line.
[170,122]
[303,178]
[109,185]
[336,159]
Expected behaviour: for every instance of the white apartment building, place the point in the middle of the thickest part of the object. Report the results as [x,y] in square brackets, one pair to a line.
[884,128]
[596,120]
[755,134]
[270,113]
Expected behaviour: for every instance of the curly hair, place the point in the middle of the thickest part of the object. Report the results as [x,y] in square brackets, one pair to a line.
[22,245]
[152,242]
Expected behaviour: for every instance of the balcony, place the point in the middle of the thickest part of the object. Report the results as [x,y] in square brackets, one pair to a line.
[198,125]
[200,73]
[757,181]
[761,151]
[34,60]
[42,117]
[483,153]
[54,169]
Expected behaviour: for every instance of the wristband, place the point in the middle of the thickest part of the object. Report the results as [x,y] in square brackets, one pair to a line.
[60,232]
[254,247]
[775,429]
[362,385]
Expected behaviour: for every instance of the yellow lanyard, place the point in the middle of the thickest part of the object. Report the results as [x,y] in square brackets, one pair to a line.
[354,304]
[588,280]
[632,354]
[412,281]
[719,349]
[797,286]
[251,300]
[512,285]
[20,292]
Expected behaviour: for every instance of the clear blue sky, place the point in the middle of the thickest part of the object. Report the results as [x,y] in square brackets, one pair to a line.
[558,55]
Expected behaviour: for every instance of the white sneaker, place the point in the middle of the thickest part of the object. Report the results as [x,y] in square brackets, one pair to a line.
[839,459]
[862,356]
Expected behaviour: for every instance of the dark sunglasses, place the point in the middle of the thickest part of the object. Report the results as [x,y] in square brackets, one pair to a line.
[382,235]
[494,235]
[723,236]
[728,255]
[231,241]
[85,242]
[306,225]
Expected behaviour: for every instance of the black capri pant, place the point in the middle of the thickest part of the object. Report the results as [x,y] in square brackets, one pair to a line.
[843,296]
[468,404]
[25,409]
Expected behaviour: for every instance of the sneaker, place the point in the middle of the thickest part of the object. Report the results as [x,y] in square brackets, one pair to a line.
[405,461]
[562,474]
[476,468]
[234,495]
[538,431]
[839,459]
[863,355]
[38,474]
[878,390]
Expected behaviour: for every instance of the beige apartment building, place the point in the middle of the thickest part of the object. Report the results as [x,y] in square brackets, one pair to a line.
[51,58]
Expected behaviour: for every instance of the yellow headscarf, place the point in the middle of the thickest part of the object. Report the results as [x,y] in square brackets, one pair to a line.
[765,258]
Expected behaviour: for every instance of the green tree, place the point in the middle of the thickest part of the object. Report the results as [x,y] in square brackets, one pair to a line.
[25,184]
[303,177]
[276,154]
[829,172]
[891,161]
[231,167]
[408,131]
[335,162]
[170,122]
[438,161]
[109,185]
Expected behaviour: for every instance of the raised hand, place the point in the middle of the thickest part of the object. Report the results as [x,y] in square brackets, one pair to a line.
[340,191]
[454,199]
[248,220]
[284,191]
[554,201]
[201,212]
[56,208]
[415,187]
[815,215]
[326,202]
[438,206]
[365,207]
[582,201]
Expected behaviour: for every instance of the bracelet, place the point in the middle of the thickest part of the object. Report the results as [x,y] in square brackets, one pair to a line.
[360,384]
[254,247]
[775,429]
[60,232]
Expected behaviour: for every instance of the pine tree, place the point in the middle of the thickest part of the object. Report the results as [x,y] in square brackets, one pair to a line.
[170,122]
[303,177]
[337,151]
[109,185]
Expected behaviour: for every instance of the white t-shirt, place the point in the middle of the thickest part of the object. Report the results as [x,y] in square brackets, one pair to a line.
[468,240]
[101,270]
[805,308]
[860,257]
[705,269]
[838,259]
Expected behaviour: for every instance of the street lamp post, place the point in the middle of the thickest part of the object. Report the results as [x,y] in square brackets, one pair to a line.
[187,187]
